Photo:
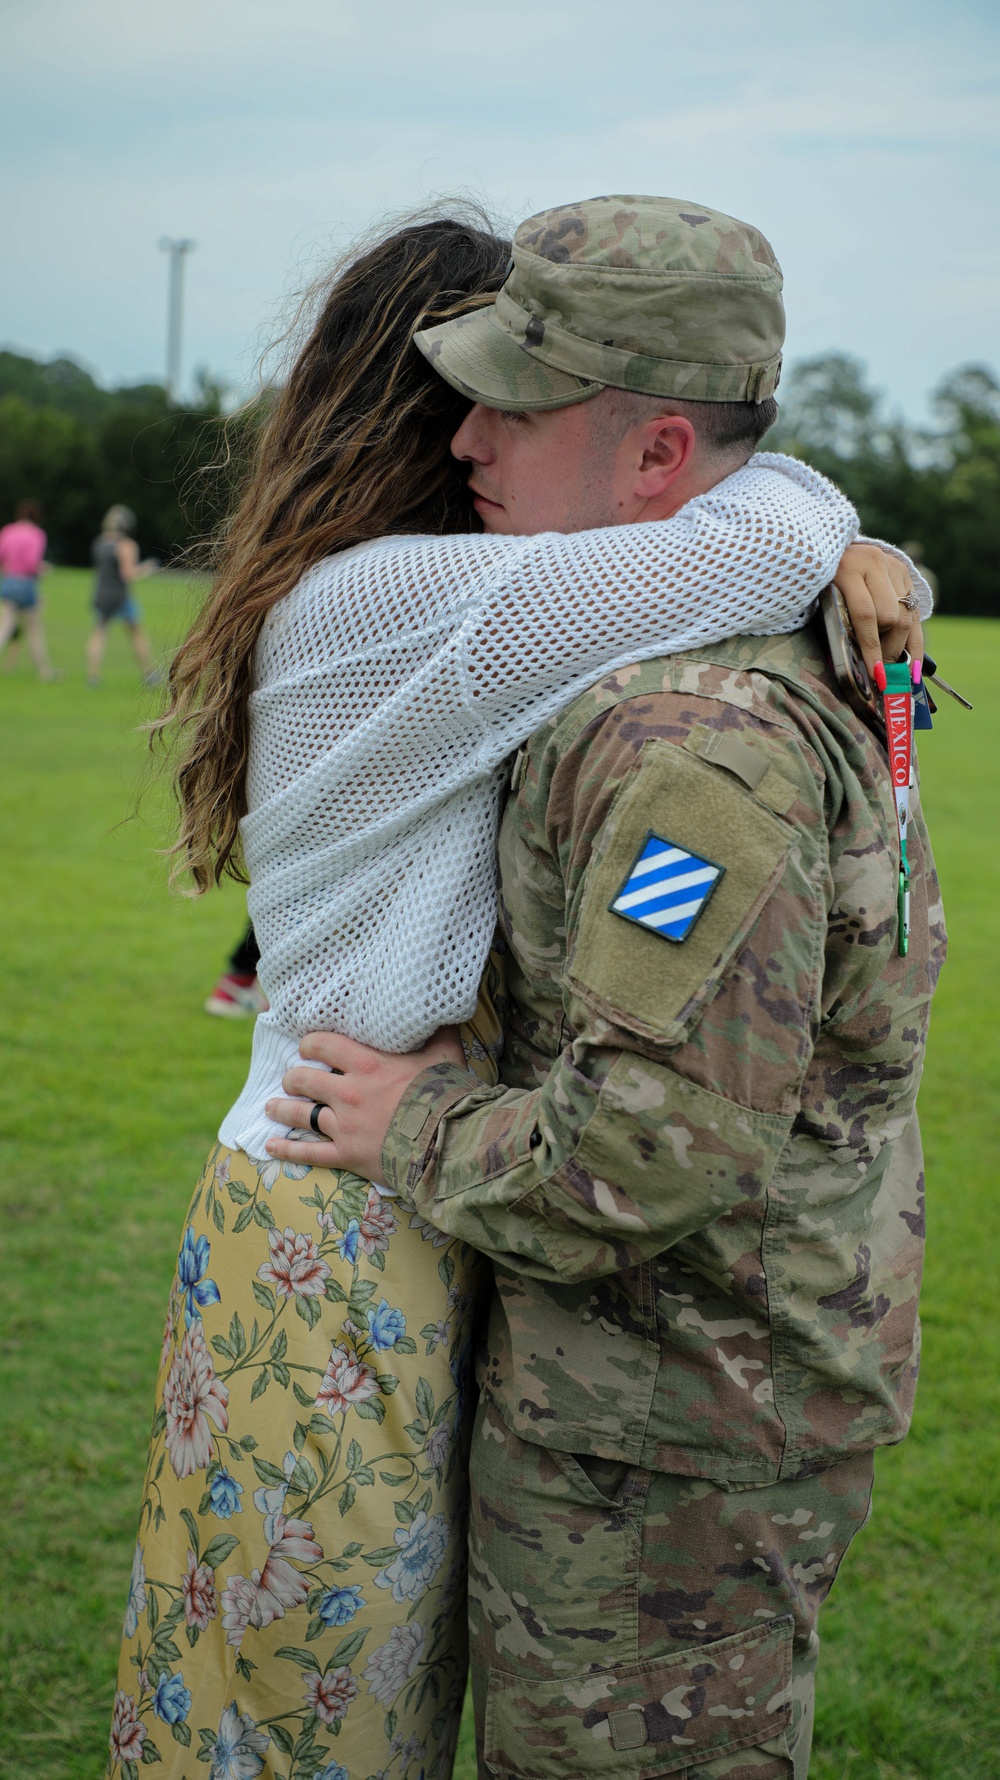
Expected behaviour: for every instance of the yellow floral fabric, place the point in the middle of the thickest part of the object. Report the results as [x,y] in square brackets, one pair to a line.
[297,1598]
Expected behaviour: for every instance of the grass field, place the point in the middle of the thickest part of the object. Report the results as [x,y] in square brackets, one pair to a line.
[111,1087]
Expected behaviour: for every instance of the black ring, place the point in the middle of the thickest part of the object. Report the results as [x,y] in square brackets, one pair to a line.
[317,1108]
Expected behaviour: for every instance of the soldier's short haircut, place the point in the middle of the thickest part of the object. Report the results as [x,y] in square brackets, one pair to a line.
[723,428]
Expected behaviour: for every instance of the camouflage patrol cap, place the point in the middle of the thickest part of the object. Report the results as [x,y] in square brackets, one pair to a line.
[656,295]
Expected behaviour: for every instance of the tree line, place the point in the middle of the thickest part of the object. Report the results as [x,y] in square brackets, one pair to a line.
[77,448]
[938,486]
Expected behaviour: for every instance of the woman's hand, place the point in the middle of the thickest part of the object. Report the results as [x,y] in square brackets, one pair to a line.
[875,586]
[359,1098]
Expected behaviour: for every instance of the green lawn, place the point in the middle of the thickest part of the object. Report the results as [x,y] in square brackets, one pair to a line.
[111,1088]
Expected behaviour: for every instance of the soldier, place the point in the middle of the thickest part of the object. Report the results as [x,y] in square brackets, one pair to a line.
[700,1177]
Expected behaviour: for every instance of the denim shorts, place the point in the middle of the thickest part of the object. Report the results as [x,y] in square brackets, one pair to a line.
[129,612]
[21,590]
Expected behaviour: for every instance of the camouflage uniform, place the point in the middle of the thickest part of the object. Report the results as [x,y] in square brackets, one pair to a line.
[700,1184]
[700,1178]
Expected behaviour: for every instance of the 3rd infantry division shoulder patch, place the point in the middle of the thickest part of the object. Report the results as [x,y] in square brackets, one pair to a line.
[667,888]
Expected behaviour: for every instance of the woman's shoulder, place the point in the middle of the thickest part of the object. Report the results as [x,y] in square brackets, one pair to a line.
[389,586]
[401,553]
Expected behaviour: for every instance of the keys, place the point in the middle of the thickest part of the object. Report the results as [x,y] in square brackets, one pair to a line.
[943,686]
[931,673]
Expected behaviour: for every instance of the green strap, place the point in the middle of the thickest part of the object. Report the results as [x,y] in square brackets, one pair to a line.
[897,680]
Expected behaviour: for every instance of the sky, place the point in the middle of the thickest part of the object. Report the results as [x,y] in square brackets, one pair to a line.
[862,137]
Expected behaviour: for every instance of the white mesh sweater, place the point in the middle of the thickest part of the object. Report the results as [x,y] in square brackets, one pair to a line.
[391,686]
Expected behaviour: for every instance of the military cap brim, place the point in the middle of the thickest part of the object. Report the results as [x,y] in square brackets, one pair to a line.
[485,363]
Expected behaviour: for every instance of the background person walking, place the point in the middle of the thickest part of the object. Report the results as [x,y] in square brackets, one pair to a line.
[115,555]
[22,560]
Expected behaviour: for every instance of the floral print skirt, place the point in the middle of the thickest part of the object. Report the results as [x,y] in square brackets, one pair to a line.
[298,1597]
[297,1600]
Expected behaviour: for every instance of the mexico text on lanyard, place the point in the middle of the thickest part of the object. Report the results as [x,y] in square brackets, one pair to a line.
[897,701]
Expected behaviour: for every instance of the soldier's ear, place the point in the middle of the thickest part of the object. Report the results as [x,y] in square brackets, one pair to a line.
[663,448]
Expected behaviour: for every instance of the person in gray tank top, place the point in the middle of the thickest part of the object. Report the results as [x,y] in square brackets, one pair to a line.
[115,556]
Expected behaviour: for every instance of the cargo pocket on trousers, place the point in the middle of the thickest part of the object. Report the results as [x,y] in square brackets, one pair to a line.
[641,1720]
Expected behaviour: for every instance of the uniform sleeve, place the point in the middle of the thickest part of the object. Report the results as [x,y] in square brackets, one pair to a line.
[673,1099]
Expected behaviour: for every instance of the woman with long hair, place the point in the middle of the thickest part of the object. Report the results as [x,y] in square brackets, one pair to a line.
[344,707]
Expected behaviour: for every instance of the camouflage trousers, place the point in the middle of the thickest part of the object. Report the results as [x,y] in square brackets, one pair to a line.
[628,1624]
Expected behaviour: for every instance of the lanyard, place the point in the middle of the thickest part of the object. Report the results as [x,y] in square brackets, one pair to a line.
[897,702]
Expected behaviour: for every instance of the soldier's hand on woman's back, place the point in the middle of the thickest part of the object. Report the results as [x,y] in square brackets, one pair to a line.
[356,1100]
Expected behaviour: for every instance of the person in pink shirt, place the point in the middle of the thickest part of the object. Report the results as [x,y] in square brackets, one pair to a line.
[22,560]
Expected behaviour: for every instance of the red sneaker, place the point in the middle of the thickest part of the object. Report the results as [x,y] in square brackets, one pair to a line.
[236,998]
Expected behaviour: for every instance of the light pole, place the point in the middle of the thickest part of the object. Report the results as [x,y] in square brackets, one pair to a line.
[175,296]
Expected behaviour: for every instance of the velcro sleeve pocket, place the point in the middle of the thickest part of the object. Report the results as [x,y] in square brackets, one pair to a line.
[630,975]
[642,1720]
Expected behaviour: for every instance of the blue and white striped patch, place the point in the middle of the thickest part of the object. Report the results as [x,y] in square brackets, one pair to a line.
[667,888]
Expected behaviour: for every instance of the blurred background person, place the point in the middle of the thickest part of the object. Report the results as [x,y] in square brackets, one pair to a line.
[237,992]
[22,561]
[115,556]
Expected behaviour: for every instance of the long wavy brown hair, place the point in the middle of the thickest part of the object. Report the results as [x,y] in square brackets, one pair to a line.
[354,447]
